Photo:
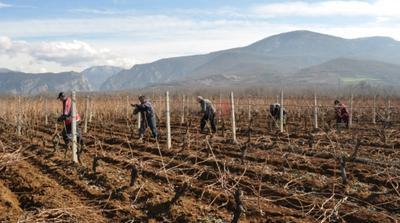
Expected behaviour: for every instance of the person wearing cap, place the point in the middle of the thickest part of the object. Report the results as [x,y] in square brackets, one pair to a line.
[208,110]
[67,118]
[342,114]
[148,117]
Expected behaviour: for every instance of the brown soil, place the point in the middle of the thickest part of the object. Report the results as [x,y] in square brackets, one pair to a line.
[281,177]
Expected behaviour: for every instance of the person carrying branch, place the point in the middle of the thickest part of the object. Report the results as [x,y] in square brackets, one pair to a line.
[67,118]
[275,111]
[208,110]
[342,114]
[148,117]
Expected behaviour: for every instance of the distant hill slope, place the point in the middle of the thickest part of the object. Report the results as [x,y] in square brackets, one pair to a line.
[25,83]
[343,69]
[164,70]
[276,57]
[97,75]
[4,70]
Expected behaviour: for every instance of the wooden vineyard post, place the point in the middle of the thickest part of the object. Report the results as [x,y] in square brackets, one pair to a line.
[167,113]
[374,111]
[91,110]
[19,116]
[220,108]
[249,109]
[189,104]
[160,106]
[281,113]
[237,107]
[351,111]
[86,115]
[74,132]
[269,123]
[183,110]
[46,112]
[127,107]
[342,164]
[139,119]
[315,112]
[388,110]
[233,119]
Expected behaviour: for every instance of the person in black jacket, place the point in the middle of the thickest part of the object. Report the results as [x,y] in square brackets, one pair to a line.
[275,111]
[148,117]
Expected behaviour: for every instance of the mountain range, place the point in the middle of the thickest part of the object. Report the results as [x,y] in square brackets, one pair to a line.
[300,58]
[13,82]
[91,79]
[289,58]
[99,74]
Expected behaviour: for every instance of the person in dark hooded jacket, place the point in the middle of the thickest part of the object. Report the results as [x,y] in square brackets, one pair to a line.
[148,117]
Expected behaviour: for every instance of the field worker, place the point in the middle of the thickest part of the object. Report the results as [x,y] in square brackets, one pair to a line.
[208,110]
[66,117]
[148,117]
[275,111]
[342,114]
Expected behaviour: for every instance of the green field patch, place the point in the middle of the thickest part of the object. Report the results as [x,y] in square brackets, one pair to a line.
[357,79]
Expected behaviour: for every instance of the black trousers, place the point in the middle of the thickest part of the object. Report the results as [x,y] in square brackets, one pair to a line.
[208,117]
[148,121]
[344,119]
[67,134]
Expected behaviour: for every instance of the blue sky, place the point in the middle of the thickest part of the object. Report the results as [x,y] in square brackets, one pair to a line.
[55,35]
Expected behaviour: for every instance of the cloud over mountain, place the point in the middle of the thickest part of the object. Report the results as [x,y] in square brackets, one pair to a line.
[64,53]
[74,53]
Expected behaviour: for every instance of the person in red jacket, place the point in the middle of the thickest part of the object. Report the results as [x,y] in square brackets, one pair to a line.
[67,118]
[342,114]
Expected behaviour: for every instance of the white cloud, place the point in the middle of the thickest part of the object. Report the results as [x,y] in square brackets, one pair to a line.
[67,54]
[10,47]
[378,8]
[4,5]
[5,43]
[43,70]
